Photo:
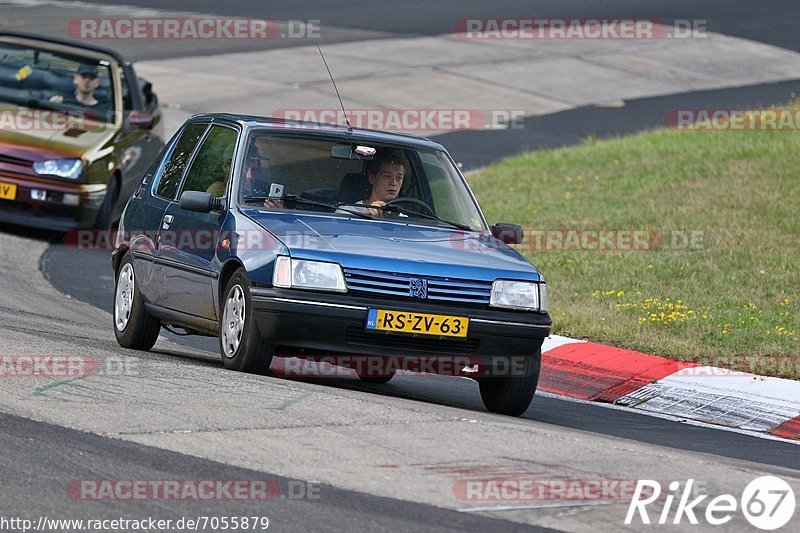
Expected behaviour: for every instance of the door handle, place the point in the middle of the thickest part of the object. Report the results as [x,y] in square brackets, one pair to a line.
[167,221]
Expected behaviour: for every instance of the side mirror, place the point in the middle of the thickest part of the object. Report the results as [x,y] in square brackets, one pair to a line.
[508,233]
[150,98]
[200,202]
[141,120]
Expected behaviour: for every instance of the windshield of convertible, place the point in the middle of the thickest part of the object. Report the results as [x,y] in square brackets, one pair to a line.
[366,180]
[42,79]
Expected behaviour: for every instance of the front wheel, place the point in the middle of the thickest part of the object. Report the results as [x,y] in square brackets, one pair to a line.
[512,395]
[381,378]
[134,327]
[240,342]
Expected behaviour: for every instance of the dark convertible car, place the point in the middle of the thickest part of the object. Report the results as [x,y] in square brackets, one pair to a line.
[296,239]
[77,131]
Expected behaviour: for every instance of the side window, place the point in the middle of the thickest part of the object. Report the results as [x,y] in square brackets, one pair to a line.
[211,168]
[173,170]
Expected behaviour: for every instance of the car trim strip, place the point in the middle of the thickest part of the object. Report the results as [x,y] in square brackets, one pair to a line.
[176,265]
[503,323]
[258,296]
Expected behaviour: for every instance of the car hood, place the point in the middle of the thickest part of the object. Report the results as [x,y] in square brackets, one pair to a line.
[29,138]
[399,247]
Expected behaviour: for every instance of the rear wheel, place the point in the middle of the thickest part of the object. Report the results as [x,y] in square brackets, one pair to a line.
[512,395]
[240,342]
[134,327]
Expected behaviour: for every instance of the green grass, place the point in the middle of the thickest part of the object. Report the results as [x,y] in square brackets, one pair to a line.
[735,302]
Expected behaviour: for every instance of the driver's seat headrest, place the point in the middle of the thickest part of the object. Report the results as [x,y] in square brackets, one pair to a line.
[354,188]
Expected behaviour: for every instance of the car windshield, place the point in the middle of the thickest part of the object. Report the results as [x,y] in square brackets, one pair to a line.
[369,179]
[37,78]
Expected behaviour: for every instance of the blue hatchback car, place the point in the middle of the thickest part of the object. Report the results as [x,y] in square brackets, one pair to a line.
[305,240]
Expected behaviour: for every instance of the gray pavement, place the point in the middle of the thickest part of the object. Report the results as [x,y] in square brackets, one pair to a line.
[406,444]
[182,400]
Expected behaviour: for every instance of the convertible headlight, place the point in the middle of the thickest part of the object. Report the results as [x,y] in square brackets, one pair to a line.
[63,168]
[522,295]
[302,274]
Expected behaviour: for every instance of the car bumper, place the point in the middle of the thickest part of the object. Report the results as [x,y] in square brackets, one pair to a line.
[305,323]
[61,207]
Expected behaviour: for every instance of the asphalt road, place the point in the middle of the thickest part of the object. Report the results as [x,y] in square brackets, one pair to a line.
[412,440]
[57,458]
[66,269]
[385,456]
[769,21]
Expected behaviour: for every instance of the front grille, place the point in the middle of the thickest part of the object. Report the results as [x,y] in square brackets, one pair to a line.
[358,336]
[15,161]
[390,284]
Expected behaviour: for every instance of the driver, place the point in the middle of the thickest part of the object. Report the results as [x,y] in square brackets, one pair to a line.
[86,81]
[385,174]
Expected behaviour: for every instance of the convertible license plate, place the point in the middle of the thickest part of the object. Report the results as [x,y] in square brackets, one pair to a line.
[8,191]
[418,323]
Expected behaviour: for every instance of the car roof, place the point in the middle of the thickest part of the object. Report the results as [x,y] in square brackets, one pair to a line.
[250,122]
[66,42]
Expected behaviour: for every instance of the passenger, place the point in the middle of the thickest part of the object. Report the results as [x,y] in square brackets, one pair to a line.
[254,183]
[219,188]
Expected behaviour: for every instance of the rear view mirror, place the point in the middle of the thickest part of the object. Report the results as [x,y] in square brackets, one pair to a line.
[200,202]
[508,233]
[347,151]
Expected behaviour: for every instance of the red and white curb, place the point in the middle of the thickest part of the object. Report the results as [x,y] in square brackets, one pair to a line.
[594,372]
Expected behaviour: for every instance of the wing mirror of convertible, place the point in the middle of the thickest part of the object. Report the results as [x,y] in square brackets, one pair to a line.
[200,202]
[508,233]
[142,120]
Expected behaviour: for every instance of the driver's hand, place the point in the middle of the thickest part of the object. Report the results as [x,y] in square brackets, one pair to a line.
[273,204]
[57,99]
[376,212]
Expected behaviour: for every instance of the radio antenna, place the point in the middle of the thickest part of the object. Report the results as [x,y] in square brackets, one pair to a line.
[347,120]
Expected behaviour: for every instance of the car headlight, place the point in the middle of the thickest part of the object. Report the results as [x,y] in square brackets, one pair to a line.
[303,274]
[522,295]
[63,168]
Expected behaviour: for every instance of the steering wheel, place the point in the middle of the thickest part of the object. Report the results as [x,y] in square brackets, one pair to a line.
[409,200]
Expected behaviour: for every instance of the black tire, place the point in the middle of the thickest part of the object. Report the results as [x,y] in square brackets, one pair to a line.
[106,212]
[252,353]
[379,379]
[512,395]
[139,330]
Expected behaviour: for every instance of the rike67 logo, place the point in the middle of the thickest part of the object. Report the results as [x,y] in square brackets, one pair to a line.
[767,502]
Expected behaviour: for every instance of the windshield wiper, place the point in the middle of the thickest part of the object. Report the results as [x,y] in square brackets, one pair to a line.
[296,199]
[423,215]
